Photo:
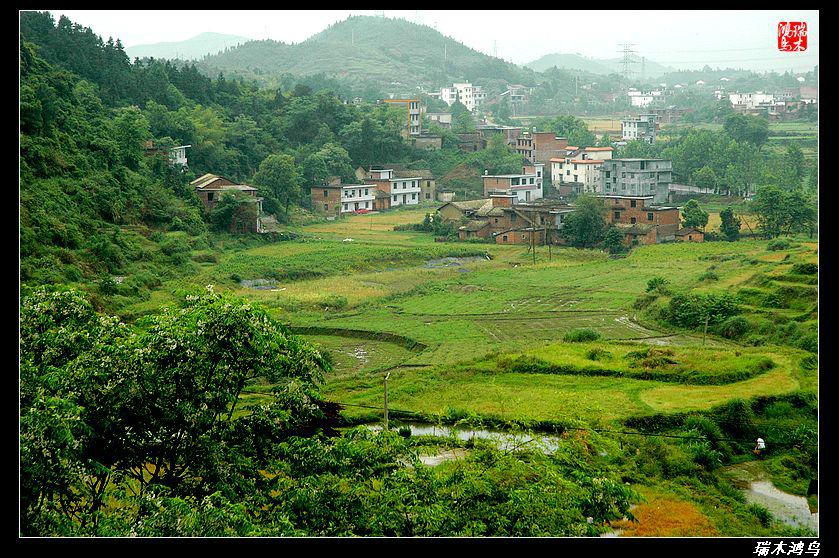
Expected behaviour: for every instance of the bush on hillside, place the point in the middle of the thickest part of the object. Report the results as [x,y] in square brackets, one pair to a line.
[581,335]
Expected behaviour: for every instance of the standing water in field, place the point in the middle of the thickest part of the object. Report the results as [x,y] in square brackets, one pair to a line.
[506,440]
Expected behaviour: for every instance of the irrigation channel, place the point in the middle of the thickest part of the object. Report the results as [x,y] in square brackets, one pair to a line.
[787,508]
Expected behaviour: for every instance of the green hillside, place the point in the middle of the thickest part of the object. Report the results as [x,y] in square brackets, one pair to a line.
[385,51]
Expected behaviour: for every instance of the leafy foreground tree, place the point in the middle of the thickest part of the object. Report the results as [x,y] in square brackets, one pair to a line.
[143,433]
[586,226]
[694,216]
[729,224]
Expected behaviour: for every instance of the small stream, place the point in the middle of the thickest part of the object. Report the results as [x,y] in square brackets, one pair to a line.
[789,508]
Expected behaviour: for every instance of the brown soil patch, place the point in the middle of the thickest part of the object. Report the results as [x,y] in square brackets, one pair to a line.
[665,517]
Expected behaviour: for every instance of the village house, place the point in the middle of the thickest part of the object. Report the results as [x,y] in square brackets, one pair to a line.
[427,183]
[527,185]
[642,128]
[507,220]
[442,119]
[580,168]
[638,210]
[404,190]
[210,188]
[413,123]
[336,198]
[689,234]
[637,177]
[177,154]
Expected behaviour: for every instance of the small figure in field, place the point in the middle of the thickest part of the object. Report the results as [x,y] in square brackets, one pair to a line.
[761,445]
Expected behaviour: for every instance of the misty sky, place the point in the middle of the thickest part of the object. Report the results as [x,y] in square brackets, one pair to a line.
[680,39]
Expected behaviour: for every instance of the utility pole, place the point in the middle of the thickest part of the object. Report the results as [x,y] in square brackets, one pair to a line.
[386,377]
[705,334]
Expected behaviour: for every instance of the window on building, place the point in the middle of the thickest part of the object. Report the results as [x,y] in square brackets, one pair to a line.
[413,196]
[345,207]
[366,191]
[325,207]
[210,196]
[649,216]
[326,193]
[504,238]
[632,220]
[632,203]
[367,204]
[617,215]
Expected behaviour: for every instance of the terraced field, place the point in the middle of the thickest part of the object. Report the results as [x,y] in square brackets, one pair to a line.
[463,301]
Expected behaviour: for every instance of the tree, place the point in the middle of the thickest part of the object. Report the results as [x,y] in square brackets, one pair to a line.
[770,208]
[586,226]
[746,128]
[614,241]
[279,175]
[694,216]
[222,214]
[705,178]
[101,404]
[729,224]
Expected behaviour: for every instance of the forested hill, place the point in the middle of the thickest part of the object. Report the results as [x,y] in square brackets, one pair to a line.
[370,49]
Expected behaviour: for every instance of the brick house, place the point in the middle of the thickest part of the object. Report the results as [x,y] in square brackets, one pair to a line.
[638,233]
[689,234]
[632,210]
[248,218]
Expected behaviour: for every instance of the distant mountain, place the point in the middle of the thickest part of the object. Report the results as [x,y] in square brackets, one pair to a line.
[190,49]
[369,49]
[596,66]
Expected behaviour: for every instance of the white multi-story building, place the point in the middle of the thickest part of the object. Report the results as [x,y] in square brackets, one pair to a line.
[641,128]
[357,196]
[751,100]
[177,155]
[641,100]
[469,95]
[581,167]
[526,186]
[405,191]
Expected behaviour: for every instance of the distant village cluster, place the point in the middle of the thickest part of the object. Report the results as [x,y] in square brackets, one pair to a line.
[514,208]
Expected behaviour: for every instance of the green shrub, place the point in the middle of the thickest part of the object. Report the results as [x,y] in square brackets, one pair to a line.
[644,301]
[690,311]
[734,327]
[778,244]
[762,514]
[805,268]
[581,335]
[598,354]
[656,283]
[709,276]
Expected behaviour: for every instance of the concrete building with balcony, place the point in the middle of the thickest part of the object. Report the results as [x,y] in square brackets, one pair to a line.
[580,168]
[402,190]
[413,124]
[642,128]
[637,177]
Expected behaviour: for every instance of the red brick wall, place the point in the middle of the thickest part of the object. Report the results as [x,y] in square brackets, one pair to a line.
[491,183]
[332,200]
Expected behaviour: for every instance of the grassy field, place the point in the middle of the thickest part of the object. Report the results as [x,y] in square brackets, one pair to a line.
[494,299]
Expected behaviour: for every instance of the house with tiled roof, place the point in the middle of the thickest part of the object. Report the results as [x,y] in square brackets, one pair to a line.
[210,189]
